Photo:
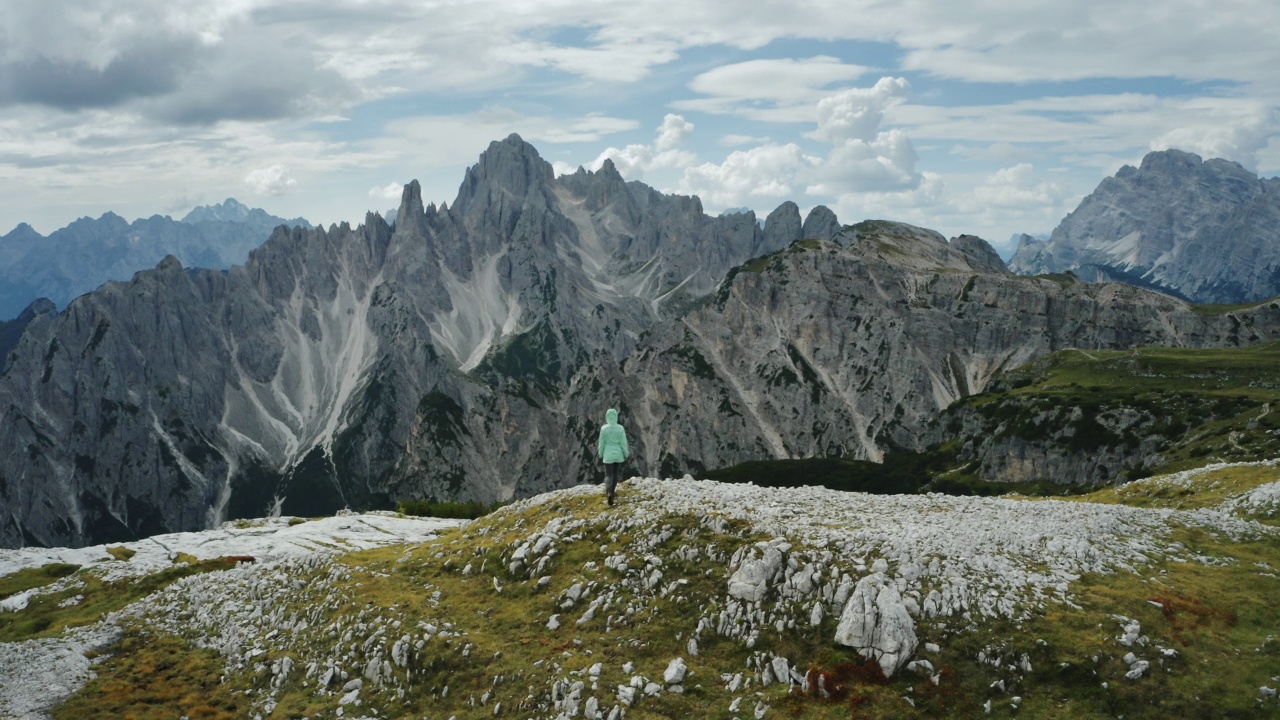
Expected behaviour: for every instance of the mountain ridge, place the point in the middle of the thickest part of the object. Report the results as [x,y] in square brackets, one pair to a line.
[88,252]
[468,351]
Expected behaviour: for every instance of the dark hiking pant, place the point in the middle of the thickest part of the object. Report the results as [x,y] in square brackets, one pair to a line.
[611,475]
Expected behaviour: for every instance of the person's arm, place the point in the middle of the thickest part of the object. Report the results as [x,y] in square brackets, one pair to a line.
[626,451]
[600,445]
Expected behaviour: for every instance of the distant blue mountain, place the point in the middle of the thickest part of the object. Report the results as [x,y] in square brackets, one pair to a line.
[232,210]
[89,252]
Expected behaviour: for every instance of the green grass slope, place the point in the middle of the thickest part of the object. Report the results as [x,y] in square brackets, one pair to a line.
[1192,406]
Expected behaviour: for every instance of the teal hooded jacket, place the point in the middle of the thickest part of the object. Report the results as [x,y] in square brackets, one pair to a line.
[612,446]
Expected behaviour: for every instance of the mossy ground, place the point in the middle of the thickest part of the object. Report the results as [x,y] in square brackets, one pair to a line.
[1206,489]
[47,615]
[29,578]
[156,677]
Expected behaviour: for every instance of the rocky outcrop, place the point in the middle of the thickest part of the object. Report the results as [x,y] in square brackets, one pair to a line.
[980,253]
[11,331]
[875,622]
[821,224]
[1205,230]
[87,253]
[783,225]
[469,352]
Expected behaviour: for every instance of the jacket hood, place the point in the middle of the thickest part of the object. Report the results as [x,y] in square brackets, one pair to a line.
[611,417]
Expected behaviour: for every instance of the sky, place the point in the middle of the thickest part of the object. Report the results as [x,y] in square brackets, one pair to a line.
[988,117]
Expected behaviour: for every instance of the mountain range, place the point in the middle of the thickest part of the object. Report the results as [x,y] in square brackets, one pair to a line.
[87,253]
[470,351]
[1205,230]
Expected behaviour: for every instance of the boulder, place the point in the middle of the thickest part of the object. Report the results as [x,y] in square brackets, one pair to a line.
[875,622]
[750,581]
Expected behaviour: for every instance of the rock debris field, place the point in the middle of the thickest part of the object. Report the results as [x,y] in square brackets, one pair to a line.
[39,673]
[888,578]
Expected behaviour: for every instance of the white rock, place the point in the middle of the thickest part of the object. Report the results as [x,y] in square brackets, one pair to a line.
[750,581]
[17,602]
[920,666]
[735,684]
[1137,669]
[781,669]
[675,672]
[815,615]
[875,622]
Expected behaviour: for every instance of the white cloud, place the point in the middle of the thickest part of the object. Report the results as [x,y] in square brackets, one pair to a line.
[186,94]
[390,191]
[633,161]
[1016,188]
[1038,41]
[1002,152]
[884,163]
[765,171]
[271,180]
[612,63]
[675,131]
[994,206]
[450,142]
[862,157]
[923,204]
[734,140]
[1207,135]
[856,113]
[1097,131]
[781,81]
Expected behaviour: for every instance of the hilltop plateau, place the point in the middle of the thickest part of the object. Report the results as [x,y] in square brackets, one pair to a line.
[689,598]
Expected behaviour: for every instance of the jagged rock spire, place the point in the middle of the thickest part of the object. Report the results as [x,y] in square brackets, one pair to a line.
[411,217]
[511,164]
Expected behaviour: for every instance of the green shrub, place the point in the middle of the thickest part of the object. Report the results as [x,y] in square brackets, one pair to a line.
[468,510]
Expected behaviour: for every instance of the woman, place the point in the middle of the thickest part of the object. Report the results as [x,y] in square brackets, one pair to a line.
[612,449]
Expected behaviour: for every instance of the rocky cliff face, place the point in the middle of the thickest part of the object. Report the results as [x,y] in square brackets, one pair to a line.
[11,330]
[87,253]
[470,352]
[1205,230]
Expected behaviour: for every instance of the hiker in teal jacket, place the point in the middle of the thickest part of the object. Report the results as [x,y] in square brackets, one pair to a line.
[612,449]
